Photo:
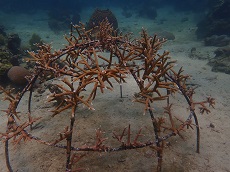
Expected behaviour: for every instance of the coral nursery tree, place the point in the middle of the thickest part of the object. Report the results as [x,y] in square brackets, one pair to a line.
[84,67]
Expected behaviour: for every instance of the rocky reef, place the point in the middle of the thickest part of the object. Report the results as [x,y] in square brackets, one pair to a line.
[10,58]
[216,22]
[99,15]
[221,61]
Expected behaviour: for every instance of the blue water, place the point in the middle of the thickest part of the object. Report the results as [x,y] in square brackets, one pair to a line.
[25,5]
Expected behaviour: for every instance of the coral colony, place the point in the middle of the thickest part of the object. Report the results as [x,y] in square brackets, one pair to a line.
[83,65]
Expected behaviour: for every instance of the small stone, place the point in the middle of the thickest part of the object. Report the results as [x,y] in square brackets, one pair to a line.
[121,159]
[121,100]
[212,125]
[41,90]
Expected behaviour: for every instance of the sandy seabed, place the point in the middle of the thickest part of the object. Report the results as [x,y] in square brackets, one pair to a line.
[114,113]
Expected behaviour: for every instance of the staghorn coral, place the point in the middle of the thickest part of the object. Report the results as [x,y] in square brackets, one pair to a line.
[153,73]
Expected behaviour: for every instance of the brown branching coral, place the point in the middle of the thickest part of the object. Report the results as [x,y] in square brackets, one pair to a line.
[84,66]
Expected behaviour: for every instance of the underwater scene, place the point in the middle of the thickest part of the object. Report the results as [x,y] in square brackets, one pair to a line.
[122,86]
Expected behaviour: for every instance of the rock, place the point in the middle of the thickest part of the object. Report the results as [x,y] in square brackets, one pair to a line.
[222,52]
[221,62]
[218,41]
[35,41]
[14,43]
[196,54]
[2,30]
[17,75]
[5,64]
[216,22]
[211,125]
[2,40]
[99,15]
[166,35]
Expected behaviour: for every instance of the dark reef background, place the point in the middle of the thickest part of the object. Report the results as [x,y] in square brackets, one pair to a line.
[27,6]
[214,14]
[212,22]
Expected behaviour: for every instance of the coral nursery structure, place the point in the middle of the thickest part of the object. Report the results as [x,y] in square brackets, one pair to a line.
[85,67]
